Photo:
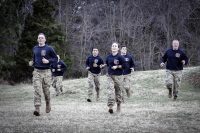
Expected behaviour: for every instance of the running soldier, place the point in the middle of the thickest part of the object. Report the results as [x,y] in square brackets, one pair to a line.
[115,63]
[58,70]
[94,64]
[127,71]
[43,56]
[175,59]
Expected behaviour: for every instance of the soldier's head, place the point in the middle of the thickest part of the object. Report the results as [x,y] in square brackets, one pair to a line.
[95,51]
[123,50]
[175,44]
[41,39]
[115,47]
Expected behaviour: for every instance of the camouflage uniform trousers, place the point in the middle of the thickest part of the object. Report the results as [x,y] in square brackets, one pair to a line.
[126,85]
[173,80]
[93,81]
[41,82]
[115,86]
[57,84]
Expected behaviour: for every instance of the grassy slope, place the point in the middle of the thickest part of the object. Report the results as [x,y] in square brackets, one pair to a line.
[148,110]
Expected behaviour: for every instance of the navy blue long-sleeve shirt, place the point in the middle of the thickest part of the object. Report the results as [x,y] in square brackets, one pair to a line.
[174,59]
[129,64]
[115,61]
[58,68]
[91,60]
[45,51]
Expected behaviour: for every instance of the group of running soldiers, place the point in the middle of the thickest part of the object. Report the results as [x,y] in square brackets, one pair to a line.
[119,67]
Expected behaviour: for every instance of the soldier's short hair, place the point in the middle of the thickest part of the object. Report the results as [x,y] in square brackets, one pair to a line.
[123,46]
[94,48]
[175,40]
[116,43]
[42,34]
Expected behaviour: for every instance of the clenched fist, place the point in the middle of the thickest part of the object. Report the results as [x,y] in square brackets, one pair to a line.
[162,64]
[45,61]
[30,63]
[114,67]
[183,61]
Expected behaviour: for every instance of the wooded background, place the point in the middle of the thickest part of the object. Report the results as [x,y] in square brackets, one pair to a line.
[73,27]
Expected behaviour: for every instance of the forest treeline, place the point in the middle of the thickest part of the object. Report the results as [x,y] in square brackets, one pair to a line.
[73,27]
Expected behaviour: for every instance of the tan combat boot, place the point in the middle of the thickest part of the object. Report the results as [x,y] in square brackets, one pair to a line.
[48,106]
[118,107]
[110,109]
[37,111]
[97,99]
[170,92]
[128,93]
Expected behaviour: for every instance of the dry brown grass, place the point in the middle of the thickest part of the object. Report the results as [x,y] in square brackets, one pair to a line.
[148,110]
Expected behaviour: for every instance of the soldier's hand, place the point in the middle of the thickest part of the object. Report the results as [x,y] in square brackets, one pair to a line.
[162,64]
[58,69]
[53,70]
[114,67]
[183,61]
[95,65]
[87,68]
[102,65]
[132,69]
[30,63]
[45,61]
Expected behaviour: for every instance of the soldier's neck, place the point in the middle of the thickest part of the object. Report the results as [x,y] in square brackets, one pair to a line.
[114,53]
[41,45]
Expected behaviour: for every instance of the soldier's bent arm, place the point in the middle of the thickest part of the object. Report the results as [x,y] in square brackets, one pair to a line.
[54,57]
[164,58]
[132,62]
[87,62]
[123,62]
[185,58]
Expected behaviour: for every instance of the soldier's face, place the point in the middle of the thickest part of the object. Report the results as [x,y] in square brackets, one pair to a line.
[41,39]
[175,44]
[95,52]
[123,50]
[115,47]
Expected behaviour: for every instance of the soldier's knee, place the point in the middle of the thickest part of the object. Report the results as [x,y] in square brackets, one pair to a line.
[91,85]
[169,86]
[54,85]
[126,87]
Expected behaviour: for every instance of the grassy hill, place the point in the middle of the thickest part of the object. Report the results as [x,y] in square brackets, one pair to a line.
[148,110]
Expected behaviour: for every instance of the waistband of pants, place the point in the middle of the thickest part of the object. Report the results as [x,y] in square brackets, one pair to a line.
[94,74]
[174,70]
[114,75]
[41,70]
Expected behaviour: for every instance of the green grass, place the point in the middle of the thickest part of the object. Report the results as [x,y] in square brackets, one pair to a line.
[148,110]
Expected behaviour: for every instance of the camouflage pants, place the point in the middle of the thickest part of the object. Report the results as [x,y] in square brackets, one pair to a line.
[93,81]
[126,84]
[41,82]
[114,89]
[57,83]
[173,80]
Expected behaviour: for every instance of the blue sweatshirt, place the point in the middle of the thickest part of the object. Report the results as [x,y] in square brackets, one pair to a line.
[129,64]
[58,68]
[45,51]
[94,60]
[115,61]
[174,58]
